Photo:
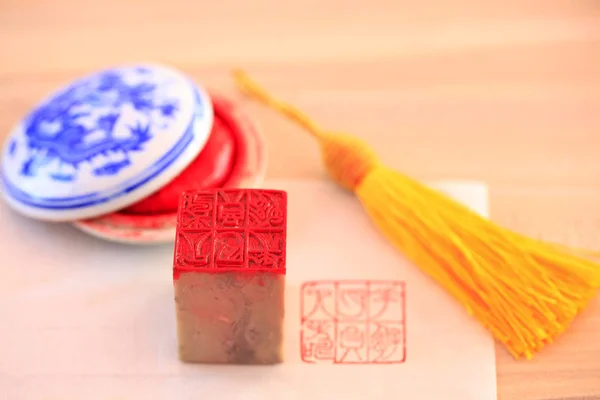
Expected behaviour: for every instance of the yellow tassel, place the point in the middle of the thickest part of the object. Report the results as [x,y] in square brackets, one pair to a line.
[524,291]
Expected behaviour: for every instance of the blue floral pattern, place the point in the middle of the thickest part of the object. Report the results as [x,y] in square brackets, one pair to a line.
[82,123]
[103,141]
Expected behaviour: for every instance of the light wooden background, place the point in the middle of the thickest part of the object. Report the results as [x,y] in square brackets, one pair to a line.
[506,91]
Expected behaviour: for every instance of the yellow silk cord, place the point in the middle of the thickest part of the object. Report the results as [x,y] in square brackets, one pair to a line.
[526,292]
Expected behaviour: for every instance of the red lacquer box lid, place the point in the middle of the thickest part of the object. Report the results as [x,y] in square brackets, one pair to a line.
[231,230]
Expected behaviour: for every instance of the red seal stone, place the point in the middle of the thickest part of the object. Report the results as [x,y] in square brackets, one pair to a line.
[229,275]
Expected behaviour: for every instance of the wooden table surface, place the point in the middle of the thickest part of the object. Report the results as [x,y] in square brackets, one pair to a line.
[503,91]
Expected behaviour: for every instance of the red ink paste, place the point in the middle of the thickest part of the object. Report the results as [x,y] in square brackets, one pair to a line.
[353,322]
[225,230]
[209,170]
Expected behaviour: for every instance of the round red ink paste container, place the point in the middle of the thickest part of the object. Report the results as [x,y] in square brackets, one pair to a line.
[233,157]
[112,151]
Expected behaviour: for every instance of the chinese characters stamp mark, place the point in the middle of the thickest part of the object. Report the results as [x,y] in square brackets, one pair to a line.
[232,230]
[353,322]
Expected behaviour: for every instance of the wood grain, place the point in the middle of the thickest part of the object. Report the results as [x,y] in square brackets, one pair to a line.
[503,91]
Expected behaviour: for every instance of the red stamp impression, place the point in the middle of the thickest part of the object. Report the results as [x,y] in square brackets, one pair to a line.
[353,322]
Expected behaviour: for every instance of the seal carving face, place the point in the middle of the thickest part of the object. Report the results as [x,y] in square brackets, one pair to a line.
[101,118]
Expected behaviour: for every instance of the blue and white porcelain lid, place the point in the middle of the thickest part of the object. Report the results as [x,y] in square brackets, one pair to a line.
[105,142]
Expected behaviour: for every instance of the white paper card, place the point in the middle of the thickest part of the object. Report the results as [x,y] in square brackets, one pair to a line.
[81,318]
